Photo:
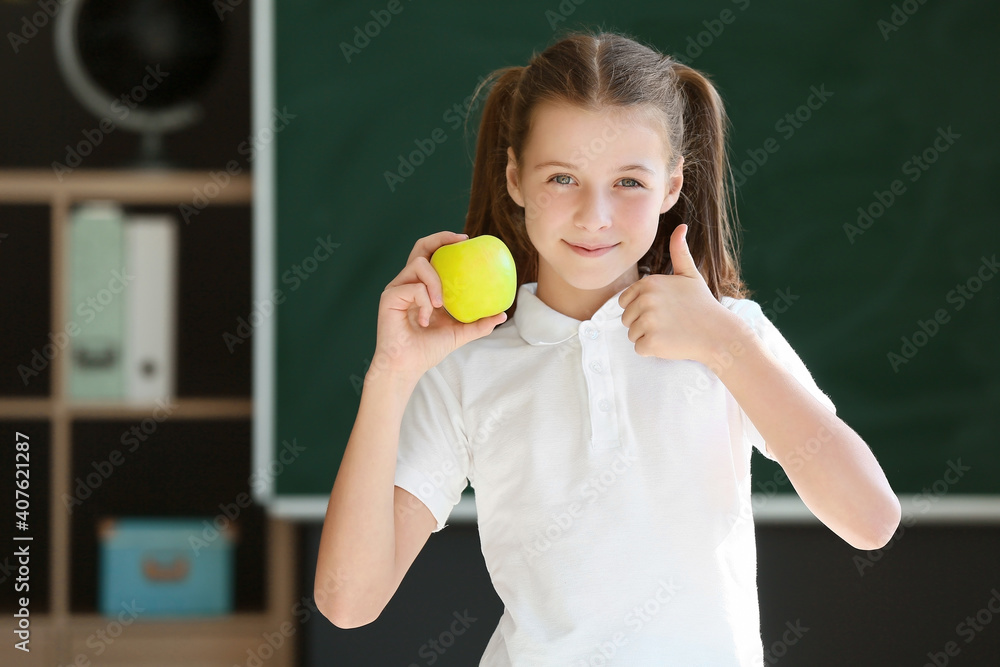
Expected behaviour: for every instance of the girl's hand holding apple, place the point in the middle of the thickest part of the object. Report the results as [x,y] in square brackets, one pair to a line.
[414,332]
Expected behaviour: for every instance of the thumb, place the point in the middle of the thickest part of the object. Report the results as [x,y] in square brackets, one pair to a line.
[680,255]
[481,327]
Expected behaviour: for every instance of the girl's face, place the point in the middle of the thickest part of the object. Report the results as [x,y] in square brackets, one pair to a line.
[590,180]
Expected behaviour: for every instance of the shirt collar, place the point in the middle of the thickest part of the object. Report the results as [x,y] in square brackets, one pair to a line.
[539,324]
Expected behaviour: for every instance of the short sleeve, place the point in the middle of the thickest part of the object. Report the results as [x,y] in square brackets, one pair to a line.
[750,311]
[432,461]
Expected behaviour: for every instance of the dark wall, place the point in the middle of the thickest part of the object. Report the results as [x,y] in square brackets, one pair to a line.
[822,602]
[449,577]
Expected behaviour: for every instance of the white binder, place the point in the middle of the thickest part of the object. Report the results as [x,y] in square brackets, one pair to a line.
[150,307]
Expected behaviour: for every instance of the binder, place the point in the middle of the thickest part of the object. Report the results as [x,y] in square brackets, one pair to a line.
[97,293]
[150,307]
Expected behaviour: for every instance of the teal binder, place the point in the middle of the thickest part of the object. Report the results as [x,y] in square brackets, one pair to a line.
[96,301]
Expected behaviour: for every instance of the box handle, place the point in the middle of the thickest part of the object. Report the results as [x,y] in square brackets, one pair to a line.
[175,571]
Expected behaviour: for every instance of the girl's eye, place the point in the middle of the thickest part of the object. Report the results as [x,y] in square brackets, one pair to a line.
[631,183]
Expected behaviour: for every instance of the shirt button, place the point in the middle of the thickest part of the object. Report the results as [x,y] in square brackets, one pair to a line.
[604,404]
[596,366]
[592,333]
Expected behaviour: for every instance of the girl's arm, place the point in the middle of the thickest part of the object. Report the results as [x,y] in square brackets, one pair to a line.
[830,466]
[373,529]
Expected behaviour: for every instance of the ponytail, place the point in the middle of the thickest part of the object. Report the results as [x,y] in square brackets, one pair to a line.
[705,205]
[491,209]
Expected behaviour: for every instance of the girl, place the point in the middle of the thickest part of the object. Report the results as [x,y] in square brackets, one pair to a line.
[607,428]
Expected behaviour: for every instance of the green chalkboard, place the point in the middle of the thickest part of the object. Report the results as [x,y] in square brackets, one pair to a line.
[834,106]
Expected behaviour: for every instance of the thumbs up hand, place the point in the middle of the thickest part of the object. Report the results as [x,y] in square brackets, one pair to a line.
[677,316]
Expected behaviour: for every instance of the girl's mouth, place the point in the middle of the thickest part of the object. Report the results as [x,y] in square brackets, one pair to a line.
[591,253]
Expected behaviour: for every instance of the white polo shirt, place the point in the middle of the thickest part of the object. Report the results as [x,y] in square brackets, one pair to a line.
[612,490]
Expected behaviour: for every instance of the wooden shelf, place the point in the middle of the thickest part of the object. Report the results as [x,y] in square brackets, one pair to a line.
[60,636]
[182,408]
[243,622]
[40,186]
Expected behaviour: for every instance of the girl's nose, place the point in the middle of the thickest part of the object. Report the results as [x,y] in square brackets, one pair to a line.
[595,212]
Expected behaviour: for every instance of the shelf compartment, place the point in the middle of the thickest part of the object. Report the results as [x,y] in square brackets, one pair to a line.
[174,468]
[26,349]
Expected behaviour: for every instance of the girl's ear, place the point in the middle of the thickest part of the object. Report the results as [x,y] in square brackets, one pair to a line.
[513,184]
[674,183]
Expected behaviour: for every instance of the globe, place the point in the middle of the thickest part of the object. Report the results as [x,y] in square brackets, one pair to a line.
[119,39]
[155,56]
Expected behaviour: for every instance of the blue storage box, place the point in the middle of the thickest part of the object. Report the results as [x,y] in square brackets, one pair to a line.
[180,567]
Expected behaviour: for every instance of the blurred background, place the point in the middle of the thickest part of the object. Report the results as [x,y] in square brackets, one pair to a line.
[201,201]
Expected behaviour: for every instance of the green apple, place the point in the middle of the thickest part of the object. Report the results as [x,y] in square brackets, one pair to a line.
[478,277]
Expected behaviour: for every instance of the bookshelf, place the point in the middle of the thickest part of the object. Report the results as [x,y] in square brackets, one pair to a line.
[71,433]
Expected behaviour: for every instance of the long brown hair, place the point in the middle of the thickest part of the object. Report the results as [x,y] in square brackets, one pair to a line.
[609,71]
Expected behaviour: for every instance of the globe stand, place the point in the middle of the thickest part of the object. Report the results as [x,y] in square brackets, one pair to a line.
[151,154]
